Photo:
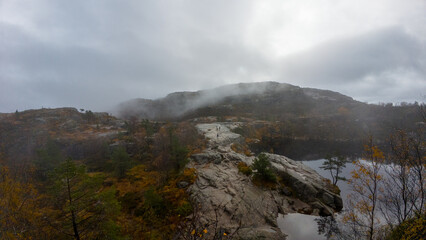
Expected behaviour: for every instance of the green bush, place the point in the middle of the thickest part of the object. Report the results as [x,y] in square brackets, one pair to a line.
[263,168]
[185,209]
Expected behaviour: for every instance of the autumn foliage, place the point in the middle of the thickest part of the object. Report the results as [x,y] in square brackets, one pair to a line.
[89,176]
[21,209]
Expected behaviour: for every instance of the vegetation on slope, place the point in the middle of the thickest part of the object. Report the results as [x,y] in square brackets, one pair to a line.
[99,179]
[66,174]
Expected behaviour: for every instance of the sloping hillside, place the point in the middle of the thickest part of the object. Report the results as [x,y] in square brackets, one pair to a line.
[258,100]
[22,133]
[296,113]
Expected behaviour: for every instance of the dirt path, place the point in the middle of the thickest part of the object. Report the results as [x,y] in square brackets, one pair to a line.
[219,134]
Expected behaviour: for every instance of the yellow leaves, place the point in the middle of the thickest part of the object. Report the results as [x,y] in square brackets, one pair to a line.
[377,153]
[355,175]
[244,168]
[349,217]
[20,211]
[415,229]
[176,195]
[173,194]
[234,147]
[365,173]
[193,232]
[189,174]
[138,180]
[365,184]
[373,153]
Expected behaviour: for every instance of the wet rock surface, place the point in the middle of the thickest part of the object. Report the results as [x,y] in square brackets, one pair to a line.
[230,197]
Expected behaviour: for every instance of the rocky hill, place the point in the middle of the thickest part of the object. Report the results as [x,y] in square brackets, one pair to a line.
[258,100]
[274,101]
[231,200]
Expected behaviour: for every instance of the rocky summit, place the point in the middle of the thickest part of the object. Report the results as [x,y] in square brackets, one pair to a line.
[235,204]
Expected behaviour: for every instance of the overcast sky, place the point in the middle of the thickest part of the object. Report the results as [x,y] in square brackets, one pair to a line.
[96,54]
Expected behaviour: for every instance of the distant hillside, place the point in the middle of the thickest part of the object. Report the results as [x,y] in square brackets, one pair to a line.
[257,100]
[297,122]
[78,133]
[306,112]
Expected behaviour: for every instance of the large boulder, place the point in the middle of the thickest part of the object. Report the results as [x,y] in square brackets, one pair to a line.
[309,185]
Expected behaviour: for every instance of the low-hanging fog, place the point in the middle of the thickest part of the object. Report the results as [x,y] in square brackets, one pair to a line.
[179,103]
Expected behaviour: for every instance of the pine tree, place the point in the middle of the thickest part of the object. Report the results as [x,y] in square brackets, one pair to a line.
[83,211]
[335,166]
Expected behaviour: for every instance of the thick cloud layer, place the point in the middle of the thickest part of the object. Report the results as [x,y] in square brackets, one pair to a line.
[93,55]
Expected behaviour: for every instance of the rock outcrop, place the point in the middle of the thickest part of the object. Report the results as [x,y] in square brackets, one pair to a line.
[230,199]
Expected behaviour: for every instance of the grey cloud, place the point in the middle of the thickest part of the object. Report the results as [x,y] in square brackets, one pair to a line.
[371,67]
[354,58]
[127,50]
[92,78]
[94,56]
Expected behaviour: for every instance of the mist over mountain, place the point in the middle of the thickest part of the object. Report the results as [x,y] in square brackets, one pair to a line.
[293,117]
[245,99]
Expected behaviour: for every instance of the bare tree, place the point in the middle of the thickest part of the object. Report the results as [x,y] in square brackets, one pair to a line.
[417,163]
[399,193]
[363,202]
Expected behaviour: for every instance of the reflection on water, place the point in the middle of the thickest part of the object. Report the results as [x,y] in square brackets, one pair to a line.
[305,227]
[300,227]
[327,226]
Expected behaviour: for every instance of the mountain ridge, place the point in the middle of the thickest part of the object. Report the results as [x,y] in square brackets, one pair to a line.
[183,105]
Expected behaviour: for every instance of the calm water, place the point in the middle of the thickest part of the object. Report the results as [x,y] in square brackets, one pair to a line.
[346,172]
[304,227]
[299,226]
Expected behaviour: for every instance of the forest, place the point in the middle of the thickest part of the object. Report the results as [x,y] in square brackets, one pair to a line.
[76,186]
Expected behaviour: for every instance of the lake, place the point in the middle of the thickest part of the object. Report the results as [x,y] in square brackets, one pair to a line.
[304,227]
